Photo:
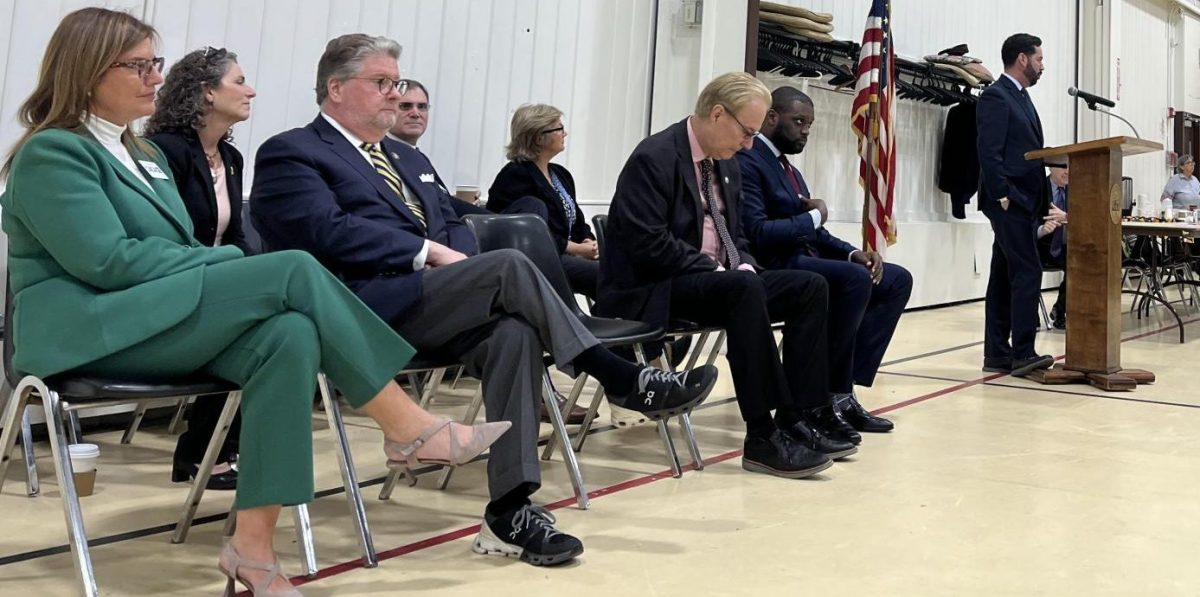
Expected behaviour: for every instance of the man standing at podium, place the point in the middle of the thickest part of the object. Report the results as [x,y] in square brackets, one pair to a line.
[1011,196]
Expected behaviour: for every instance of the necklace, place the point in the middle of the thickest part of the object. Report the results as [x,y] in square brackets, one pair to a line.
[213,158]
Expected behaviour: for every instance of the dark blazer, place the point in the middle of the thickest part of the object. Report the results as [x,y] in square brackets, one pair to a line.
[958,169]
[521,178]
[775,218]
[188,163]
[1046,242]
[655,226]
[1008,126]
[315,191]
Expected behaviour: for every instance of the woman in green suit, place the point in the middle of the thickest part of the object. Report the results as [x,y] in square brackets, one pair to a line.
[108,279]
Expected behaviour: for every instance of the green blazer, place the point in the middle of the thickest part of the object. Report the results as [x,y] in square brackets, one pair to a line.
[98,261]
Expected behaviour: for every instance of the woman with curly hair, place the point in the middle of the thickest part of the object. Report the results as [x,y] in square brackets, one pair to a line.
[203,96]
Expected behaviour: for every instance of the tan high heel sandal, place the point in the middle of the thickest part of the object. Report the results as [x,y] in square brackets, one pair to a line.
[403,457]
[231,562]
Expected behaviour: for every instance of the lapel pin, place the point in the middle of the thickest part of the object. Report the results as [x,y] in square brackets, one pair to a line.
[726,180]
[395,156]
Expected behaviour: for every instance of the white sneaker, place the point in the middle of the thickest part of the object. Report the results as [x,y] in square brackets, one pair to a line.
[624,417]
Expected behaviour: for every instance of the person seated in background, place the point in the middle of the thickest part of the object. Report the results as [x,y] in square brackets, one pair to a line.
[785,226]
[108,280]
[342,191]
[204,95]
[1052,237]
[411,123]
[1183,189]
[530,183]
[674,249]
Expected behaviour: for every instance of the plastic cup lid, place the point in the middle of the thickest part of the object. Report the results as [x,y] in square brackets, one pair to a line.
[84,450]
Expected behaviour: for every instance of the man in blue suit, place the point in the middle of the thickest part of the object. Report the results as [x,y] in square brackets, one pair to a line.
[1011,194]
[786,231]
[340,190]
[410,126]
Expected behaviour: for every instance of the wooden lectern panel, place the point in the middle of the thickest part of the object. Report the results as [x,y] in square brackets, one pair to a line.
[1094,250]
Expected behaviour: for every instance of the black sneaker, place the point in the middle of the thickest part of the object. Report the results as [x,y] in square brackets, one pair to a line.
[528,534]
[661,394]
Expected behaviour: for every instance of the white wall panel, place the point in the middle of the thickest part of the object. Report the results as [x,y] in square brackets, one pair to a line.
[480,59]
[1145,89]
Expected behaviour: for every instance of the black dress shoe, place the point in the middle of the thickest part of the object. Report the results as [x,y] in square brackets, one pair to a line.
[997,365]
[779,455]
[1059,316]
[226,481]
[828,420]
[861,420]
[811,438]
[1023,367]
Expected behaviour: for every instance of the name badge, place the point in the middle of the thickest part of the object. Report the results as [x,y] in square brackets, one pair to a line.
[153,170]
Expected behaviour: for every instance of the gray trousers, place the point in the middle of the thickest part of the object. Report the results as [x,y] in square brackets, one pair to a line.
[498,314]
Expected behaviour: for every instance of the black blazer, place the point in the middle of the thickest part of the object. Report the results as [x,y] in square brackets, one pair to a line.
[655,227]
[189,168]
[314,191]
[1008,126]
[521,178]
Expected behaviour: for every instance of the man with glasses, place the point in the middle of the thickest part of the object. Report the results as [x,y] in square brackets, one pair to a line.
[410,125]
[786,231]
[337,189]
[674,249]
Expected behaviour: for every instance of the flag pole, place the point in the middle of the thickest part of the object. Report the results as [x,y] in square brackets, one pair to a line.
[869,178]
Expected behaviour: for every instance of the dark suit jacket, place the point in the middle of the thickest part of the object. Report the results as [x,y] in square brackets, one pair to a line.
[518,179]
[655,226]
[1008,126]
[774,217]
[315,191]
[1047,241]
[189,166]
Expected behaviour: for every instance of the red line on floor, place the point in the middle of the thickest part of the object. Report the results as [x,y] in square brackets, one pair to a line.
[640,481]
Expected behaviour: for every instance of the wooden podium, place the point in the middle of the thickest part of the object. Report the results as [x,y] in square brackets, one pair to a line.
[1094,264]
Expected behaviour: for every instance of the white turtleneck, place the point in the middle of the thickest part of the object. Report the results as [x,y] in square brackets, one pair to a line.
[109,135]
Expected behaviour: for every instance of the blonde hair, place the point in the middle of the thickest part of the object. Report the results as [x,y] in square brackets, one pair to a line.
[81,50]
[733,91]
[529,123]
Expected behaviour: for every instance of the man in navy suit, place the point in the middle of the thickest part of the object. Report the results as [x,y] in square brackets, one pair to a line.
[1052,236]
[340,190]
[410,126]
[1011,193]
[674,249]
[786,230]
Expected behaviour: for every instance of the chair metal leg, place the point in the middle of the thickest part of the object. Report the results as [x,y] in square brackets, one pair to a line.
[32,484]
[14,420]
[354,497]
[696,348]
[560,429]
[572,400]
[74,428]
[230,522]
[431,385]
[389,484]
[138,415]
[66,482]
[582,435]
[672,456]
[304,539]
[205,469]
[468,419]
[685,424]
[716,349]
[177,418]
[1045,314]
[457,376]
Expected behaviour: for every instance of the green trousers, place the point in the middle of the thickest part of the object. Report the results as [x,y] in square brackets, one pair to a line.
[270,323]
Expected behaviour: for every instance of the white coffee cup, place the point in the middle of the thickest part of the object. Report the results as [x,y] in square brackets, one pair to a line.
[468,193]
[83,467]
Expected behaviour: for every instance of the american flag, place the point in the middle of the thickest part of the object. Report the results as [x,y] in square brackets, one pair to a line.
[876,139]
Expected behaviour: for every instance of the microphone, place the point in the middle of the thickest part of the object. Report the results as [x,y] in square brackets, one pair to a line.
[1091,98]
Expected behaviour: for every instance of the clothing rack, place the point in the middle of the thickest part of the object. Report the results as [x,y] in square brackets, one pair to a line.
[782,52]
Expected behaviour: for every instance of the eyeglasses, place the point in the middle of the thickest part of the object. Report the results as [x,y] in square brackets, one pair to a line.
[142,66]
[747,132]
[384,83]
[553,130]
[406,106]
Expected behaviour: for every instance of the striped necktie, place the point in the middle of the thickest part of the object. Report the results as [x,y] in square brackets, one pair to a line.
[384,168]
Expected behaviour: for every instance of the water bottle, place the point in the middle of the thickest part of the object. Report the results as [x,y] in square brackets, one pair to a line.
[1168,210]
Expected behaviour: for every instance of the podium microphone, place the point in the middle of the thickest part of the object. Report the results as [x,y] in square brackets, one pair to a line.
[1093,99]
